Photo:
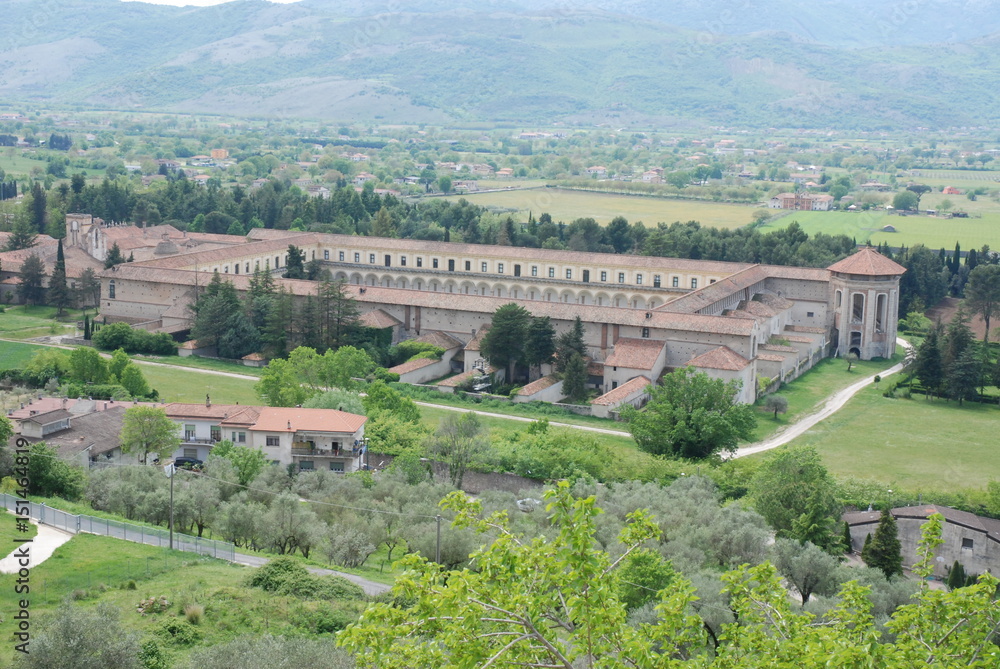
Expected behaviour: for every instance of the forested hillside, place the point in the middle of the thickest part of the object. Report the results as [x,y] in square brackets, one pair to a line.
[512,62]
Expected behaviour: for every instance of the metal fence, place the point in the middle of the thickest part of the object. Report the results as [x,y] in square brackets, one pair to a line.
[151,536]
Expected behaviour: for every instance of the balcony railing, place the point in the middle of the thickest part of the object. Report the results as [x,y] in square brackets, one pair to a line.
[199,440]
[324,453]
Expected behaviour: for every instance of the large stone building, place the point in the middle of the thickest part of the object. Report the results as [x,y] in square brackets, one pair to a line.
[759,324]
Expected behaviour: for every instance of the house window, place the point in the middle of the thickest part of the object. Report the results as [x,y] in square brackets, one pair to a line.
[277,262]
[810,314]
[337,467]
[226,270]
[468,265]
[967,544]
[216,433]
[645,333]
[638,279]
[236,268]
[552,272]
[306,465]
[880,302]
[656,281]
[402,261]
[586,276]
[272,440]
[434,263]
[111,289]
[621,277]
[534,270]
[247,268]
[857,307]
[604,276]
[420,261]
[188,432]
[239,437]
[371,258]
[694,283]
[675,281]
[357,257]
[499,268]
[482,266]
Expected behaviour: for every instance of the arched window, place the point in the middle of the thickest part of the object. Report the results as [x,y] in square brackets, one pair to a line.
[857,307]
[840,297]
[111,289]
[880,303]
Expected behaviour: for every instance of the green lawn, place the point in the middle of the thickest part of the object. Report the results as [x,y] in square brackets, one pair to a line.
[913,444]
[178,384]
[805,393]
[933,232]
[19,322]
[198,362]
[14,355]
[9,532]
[567,205]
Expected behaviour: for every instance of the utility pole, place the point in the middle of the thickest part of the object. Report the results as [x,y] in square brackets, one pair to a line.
[170,470]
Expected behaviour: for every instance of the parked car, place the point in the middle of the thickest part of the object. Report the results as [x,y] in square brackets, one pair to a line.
[188,463]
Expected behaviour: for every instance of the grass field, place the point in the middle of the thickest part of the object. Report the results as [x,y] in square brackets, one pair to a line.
[958,178]
[197,362]
[9,532]
[14,355]
[809,390]
[567,205]
[913,444]
[933,232]
[177,384]
[19,322]
[89,569]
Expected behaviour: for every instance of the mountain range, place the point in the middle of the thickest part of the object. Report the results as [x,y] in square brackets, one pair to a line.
[783,63]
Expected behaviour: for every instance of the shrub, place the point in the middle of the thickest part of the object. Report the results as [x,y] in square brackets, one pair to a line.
[153,605]
[272,575]
[194,613]
[178,631]
[122,335]
[383,374]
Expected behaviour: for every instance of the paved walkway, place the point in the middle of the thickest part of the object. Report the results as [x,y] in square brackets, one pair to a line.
[40,549]
[833,404]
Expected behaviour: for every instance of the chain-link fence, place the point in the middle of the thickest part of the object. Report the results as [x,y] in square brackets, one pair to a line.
[151,536]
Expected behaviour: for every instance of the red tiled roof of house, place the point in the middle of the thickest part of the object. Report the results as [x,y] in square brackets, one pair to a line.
[254,357]
[798,339]
[413,365]
[635,353]
[245,418]
[771,357]
[376,318]
[439,339]
[474,343]
[281,419]
[622,392]
[211,411]
[720,358]
[538,385]
[867,262]
[456,380]
[780,349]
[803,328]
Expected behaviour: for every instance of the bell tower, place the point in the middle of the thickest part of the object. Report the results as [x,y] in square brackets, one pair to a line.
[865,299]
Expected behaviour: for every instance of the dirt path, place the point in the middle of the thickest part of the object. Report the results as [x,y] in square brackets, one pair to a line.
[588,428]
[40,549]
[832,404]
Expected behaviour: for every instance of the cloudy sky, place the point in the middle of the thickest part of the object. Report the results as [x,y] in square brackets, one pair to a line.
[199,3]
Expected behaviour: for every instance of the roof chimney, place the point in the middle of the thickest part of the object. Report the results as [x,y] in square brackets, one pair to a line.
[208,400]
[289,424]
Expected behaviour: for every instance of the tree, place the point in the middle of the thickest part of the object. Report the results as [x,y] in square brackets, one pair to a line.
[642,575]
[503,343]
[383,224]
[271,652]
[59,295]
[982,294]
[23,234]
[213,311]
[568,343]
[338,399]
[382,398]
[147,429]
[444,183]
[114,257]
[919,190]
[87,366]
[338,312]
[790,483]
[88,288]
[575,378]
[49,476]
[248,462]
[964,376]
[239,338]
[295,267]
[905,200]
[777,404]
[928,366]
[539,346]
[457,442]
[884,550]
[134,382]
[279,385]
[817,525]
[339,368]
[83,638]
[117,364]
[274,334]
[31,289]
[691,416]
[6,430]
[36,207]
[806,566]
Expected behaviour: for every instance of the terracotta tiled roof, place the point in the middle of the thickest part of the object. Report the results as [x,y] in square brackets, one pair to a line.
[635,353]
[780,349]
[213,411]
[376,318]
[758,309]
[49,417]
[244,418]
[803,328]
[475,342]
[776,302]
[720,358]
[413,365]
[254,357]
[95,433]
[538,385]
[622,392]
[440,339]
[771,357]
[456,380]
[868,262]
[595,368]
[278,419]
[798,339]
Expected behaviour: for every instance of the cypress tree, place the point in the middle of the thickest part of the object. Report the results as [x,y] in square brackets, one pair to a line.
[848,544]
[59,295]
[956,576]
[884,552]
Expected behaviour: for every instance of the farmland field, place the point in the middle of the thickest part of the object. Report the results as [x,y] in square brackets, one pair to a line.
[933,232]
[567,205]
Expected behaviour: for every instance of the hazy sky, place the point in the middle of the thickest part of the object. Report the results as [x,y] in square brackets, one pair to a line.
[199,3]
